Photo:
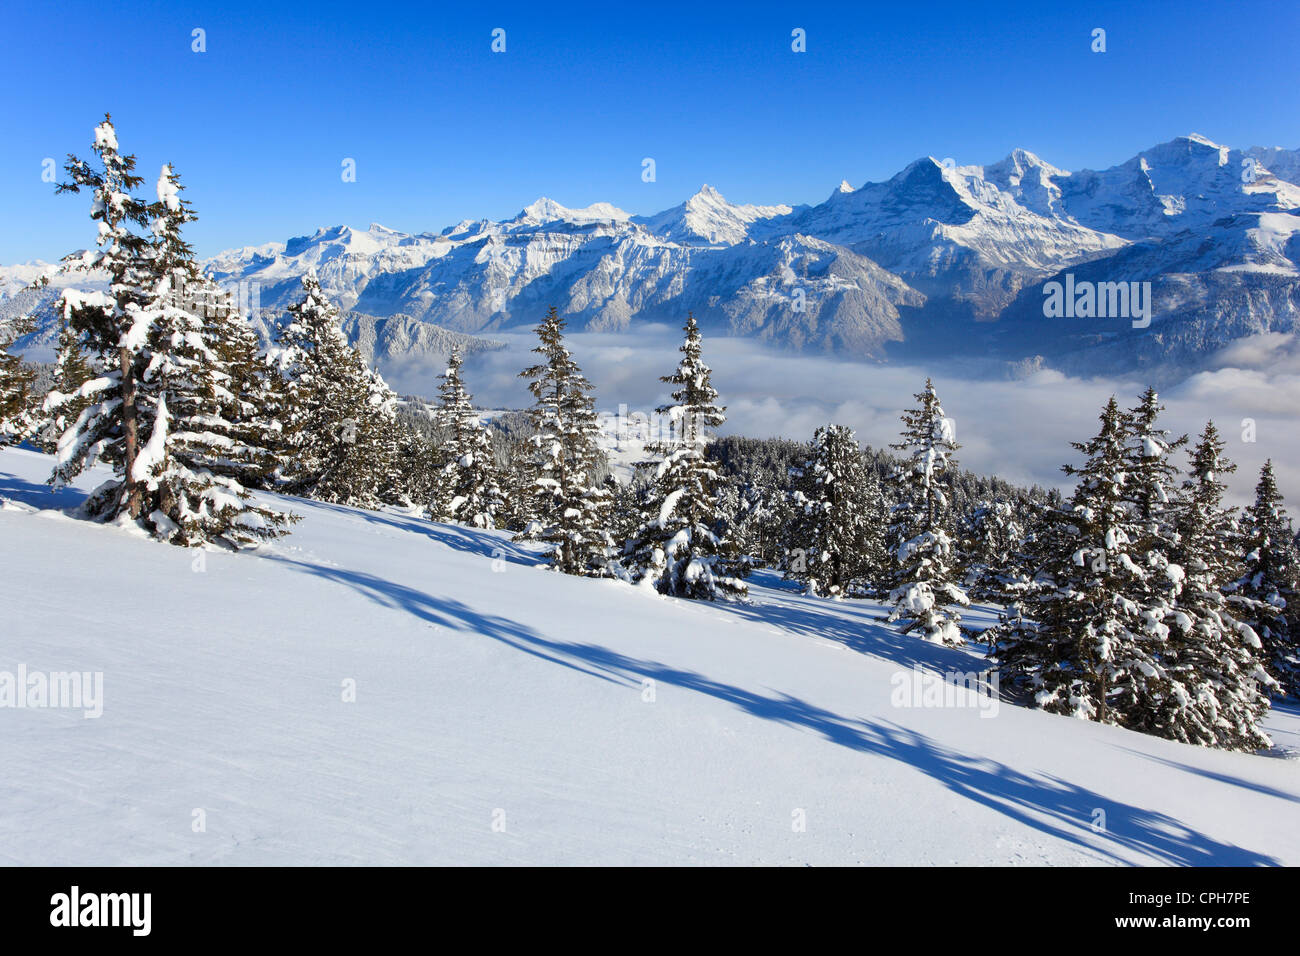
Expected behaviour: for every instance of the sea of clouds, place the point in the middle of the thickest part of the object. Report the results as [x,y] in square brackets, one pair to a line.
[1017,428]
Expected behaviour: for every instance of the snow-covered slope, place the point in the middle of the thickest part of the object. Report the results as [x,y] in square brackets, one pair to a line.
[708,218]
[504,714]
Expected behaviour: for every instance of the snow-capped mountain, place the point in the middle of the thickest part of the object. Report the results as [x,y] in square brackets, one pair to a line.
[709,218]
[941,258]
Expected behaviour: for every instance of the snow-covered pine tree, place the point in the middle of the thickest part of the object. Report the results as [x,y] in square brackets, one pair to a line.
[925,588]
[72,369]
[841,542]
[466,490]
[1150,483]
[339,421]
[992,538]
[191,456]
[1152,473]
[745,510]
[1219,688]
[252,398]
[110,328]
[571,501]
[417,456]
[678,549]
[1268,590]
[17,419]
[517,467]
[1090,640]
[877,562]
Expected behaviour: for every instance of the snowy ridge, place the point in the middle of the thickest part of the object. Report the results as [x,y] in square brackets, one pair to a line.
[872,272]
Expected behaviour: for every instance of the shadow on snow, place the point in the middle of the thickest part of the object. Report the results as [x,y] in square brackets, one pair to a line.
[1048,804]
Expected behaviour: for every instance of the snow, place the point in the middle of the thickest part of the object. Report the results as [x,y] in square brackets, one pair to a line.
[169,193]
[106,136]
[154,452]
[603,723]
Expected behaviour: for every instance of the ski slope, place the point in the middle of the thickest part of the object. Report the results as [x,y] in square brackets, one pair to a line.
[504,714]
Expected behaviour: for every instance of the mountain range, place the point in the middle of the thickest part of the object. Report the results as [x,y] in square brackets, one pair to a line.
[940,260]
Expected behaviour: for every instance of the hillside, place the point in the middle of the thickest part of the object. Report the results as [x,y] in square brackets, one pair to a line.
[488,688]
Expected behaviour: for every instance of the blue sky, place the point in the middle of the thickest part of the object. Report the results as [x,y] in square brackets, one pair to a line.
[443,129]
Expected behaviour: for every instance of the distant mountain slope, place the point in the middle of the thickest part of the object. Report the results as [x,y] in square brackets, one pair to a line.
[940,259]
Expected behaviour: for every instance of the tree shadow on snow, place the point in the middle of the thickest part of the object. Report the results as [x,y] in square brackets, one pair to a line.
[476,541]
[857,626]
[39,496]
[1048,804]
[445,612]
[1220,777]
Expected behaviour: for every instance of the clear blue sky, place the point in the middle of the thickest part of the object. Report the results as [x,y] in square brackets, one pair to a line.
[442,129]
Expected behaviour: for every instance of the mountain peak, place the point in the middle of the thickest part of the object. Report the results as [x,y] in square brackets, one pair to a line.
[707,192]
[545,209]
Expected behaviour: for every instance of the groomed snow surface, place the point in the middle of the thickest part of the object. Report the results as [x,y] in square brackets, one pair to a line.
[503,715]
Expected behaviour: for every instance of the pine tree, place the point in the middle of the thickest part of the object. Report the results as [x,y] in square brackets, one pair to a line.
[841,542]
[1269,588]
[1218,687]
[17,418]
[678,549]
[877,562]
[517,466]
[1152,473]
[110,328]
[992,540]
[151,407]
[1091,638]
[190,460]
[249,396]
[64,404]
[572,505]
[417,456]
[339,421]
[466,490]
[924,586]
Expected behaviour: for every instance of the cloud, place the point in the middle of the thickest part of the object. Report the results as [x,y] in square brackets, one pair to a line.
[1018,429]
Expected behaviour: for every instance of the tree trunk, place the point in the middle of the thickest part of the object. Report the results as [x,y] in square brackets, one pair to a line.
[131,428]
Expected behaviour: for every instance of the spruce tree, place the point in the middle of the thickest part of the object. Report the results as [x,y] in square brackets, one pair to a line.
[466,490]
[64,403]
[924,586]
[993,537]
[678,548]
[111,329]
[841,541]
[571,503]
[517,460]
[17,419]
[1268,590]
[339,421]
[1090,641]
[417,457]
[1152,473]
[1218,692]
[249,396]
[192,453]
